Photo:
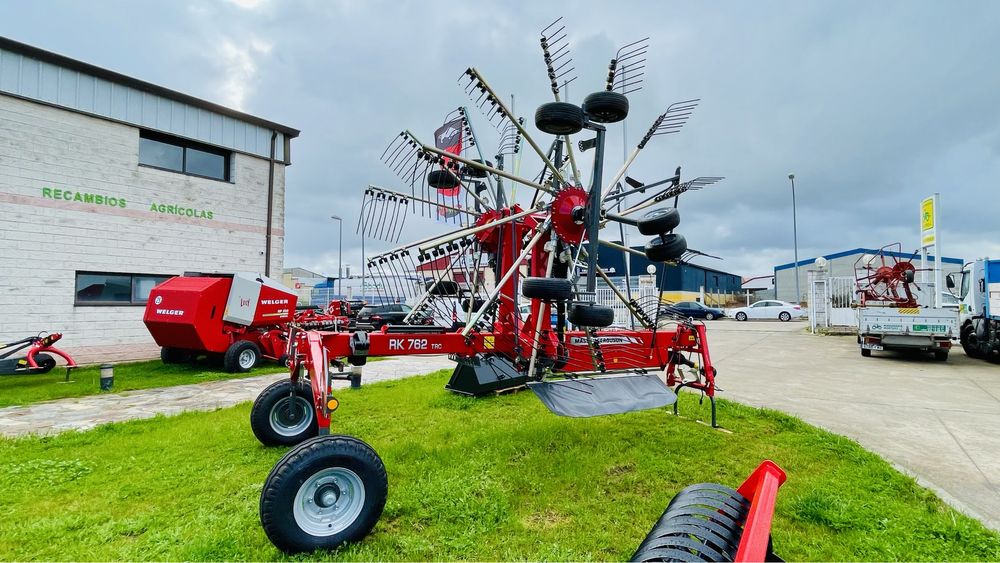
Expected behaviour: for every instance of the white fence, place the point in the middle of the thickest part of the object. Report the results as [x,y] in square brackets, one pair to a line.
[832,301]
[605,296]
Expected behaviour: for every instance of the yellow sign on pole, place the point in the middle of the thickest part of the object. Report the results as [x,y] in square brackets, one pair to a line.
[927,214]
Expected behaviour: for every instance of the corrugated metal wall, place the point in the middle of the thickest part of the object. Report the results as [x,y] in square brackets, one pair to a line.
[40,81]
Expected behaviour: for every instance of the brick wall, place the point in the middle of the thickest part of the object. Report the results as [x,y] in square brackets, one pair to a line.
[44,241]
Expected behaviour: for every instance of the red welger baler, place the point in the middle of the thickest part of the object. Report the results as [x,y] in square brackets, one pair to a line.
[241,317]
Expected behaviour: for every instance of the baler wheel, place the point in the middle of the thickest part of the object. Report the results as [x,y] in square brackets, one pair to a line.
[241,357]
[279,418]
[324,493]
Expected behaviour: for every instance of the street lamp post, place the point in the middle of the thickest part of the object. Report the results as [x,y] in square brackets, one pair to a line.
[340,255]
[795,242]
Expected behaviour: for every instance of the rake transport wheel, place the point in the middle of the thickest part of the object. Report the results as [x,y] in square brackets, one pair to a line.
[443,288]
[666,247]
[547,289]
[241,357]
[324,493]
[659,221]
[559,118]
[442,180]
[476,304]
[606,107]
[591,315]
[283,414]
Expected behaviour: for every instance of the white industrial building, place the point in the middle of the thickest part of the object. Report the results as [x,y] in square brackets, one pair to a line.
[109,185]
[841,265]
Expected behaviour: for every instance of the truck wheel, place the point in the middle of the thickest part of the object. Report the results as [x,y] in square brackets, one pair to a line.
[941,355]
[241,357]
[970,349]
[283,414]
[174,355]
[866,353]
[324,493]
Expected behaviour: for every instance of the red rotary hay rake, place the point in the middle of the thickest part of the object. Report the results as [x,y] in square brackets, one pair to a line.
[329,490]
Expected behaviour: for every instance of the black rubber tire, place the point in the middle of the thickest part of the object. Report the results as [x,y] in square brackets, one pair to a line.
[174,355]
[547,289]
[941,355]
[709,316]
[784,316]
[970,350]
[741,316]
[665,248]
[443,287]
[866,353]
[442,179]
[477,304]
[559,118]
[591,315]
[276,396]
[231,360]
[659,221]
[606,107]
[476,172]
[301,463]
[46,363]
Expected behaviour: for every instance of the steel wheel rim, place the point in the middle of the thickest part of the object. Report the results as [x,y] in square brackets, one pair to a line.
[785,316]
[247,359]
[329,501]
[291,416]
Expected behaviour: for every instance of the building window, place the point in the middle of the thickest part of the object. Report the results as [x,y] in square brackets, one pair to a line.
[97,288]
[181,155]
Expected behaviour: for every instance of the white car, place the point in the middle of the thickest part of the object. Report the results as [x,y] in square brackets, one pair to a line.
[769,309]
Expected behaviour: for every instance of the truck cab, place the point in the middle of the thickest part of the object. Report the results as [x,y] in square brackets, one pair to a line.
[978,288]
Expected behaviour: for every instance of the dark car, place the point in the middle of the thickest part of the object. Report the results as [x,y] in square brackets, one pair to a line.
[391,314]
[694,310]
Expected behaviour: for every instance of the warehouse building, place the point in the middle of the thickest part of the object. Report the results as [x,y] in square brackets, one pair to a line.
[110,185]
[679,282]
[841,265]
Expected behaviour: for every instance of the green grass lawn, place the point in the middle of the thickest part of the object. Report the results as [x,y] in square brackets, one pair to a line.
[26,389]
[498,478]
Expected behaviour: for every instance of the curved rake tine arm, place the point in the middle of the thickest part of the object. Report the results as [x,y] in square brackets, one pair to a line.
[501,107]
[475,141]
[506,277]
[420,199]
[618,176]
[489,169]
[427,292]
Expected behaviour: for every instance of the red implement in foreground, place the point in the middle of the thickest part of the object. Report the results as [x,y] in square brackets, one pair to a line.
[37,359]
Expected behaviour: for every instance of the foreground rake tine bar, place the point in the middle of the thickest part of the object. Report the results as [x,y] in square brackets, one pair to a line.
[524,133]
[513,269]
[402,195]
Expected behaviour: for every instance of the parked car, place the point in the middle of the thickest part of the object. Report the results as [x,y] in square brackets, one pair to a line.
[768,309]
[380,315]
[694,310]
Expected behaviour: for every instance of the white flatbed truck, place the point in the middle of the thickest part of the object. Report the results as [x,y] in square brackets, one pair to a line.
[927,329]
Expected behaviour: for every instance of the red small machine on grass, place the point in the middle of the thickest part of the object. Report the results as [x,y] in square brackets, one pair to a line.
[331,489]
[239,317]
[37,359]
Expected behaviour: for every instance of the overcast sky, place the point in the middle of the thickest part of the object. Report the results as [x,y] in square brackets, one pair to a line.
[873,105]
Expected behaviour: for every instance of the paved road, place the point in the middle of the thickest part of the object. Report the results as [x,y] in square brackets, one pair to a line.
[936,421]
[83,413]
